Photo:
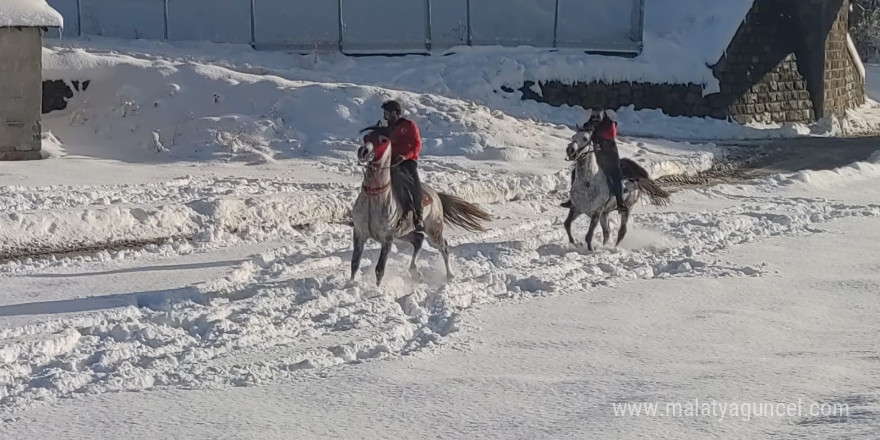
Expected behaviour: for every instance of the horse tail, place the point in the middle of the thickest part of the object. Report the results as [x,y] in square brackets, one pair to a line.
[658,196]
[461,213]
[634,171]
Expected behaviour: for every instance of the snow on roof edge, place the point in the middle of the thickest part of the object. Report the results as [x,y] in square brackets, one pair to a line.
[29,13]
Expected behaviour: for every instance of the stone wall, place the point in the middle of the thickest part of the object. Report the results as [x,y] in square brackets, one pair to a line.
[844,88]
[20,93]
[759,74]
[785,61]
[674,99]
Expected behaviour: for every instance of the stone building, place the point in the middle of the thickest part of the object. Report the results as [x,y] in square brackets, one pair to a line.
[789,61]
[22,23]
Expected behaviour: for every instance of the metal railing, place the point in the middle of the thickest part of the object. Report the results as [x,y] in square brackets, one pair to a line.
[361,26]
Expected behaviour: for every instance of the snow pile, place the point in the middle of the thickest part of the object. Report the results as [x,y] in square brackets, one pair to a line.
[863,121]
[866,119]
[36,13]
[141,110]
[648,123]
[202,210]
[821,179]
[479,80]
[23,234]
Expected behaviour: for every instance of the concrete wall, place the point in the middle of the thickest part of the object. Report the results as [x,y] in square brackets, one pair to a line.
[20,93]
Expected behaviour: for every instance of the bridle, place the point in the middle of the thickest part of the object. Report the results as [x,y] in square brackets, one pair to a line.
[582,150]
[371,167]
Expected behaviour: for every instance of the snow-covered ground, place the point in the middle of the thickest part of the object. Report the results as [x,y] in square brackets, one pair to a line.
[219,180]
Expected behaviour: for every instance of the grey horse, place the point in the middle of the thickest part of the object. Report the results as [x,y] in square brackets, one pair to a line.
[590,192]
[378,214]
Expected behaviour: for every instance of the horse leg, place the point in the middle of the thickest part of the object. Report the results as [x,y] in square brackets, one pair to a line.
[383,258]
[572,216]
[359,243]
[606,230]
[624,218]
[417,240]
[594,220]
[444,250]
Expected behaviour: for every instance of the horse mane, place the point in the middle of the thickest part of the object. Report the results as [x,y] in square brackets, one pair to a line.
[377,129]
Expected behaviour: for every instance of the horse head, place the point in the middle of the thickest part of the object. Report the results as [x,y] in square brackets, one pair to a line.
[374,147]
[580,145]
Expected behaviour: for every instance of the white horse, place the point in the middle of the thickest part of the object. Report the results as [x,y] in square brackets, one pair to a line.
[591,194]
[378,214]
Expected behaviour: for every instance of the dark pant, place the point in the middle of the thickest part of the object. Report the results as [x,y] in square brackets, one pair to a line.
[609,161]
[412,201]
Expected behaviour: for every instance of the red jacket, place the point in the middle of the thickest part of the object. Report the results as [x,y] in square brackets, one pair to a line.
[607,129]
[406,142]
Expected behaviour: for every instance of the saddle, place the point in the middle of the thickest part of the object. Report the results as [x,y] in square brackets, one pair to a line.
[399,184]
[426,199]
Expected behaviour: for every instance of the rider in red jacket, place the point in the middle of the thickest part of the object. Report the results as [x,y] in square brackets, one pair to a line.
[607,157]
[406,143]
[604,137]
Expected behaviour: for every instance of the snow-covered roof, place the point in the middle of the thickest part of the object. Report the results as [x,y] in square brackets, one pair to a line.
[34,13]
[698,28]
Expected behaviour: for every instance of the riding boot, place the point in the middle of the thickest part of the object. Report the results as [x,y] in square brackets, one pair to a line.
[415,192]
[418,220]
[616,186]
[609,161]
[618,194]
[418,223]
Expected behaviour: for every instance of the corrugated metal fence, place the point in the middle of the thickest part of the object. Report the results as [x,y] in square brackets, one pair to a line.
[365,26]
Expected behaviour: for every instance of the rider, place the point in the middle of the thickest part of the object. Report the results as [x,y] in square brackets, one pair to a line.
[604,133]
[406,143]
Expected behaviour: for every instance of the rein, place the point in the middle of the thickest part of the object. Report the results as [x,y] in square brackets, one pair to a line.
[377,168]
[582,154]
[375,190]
